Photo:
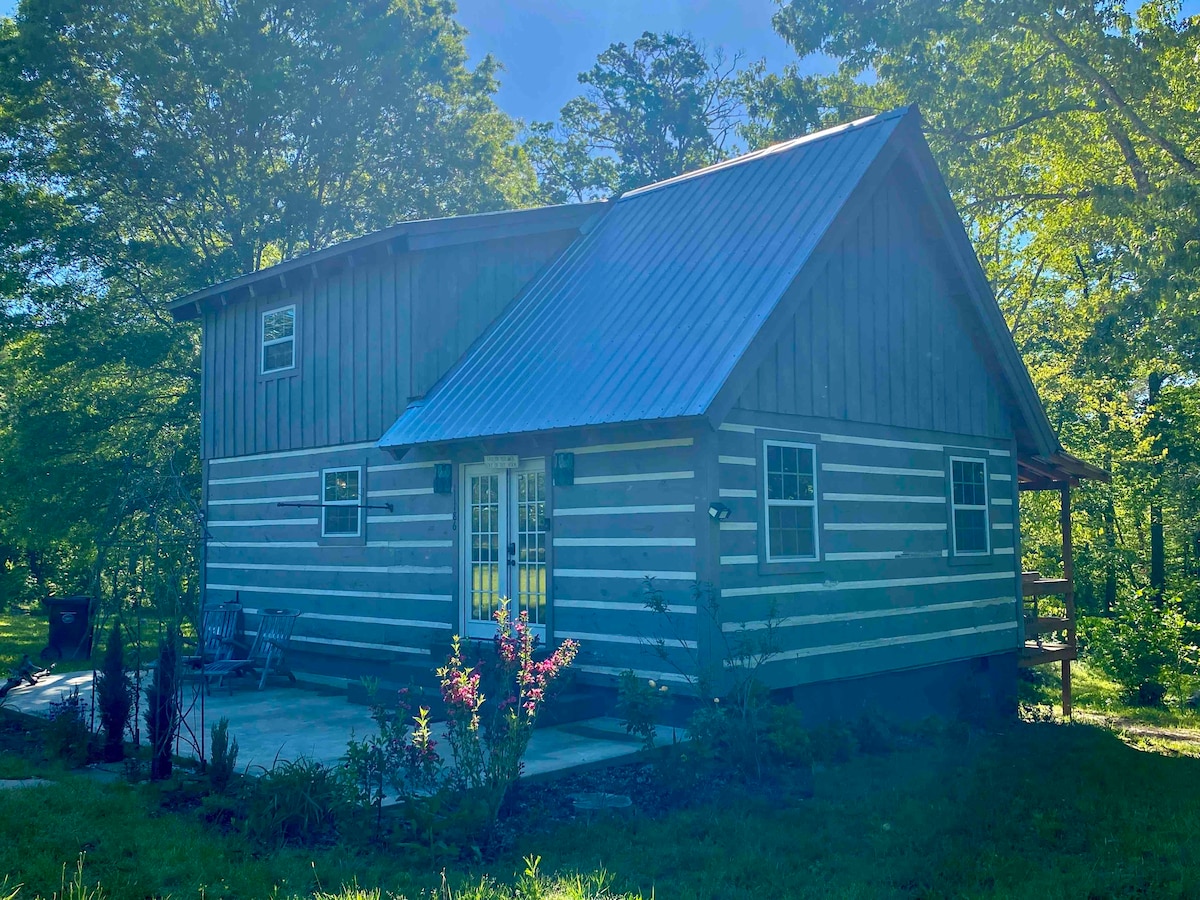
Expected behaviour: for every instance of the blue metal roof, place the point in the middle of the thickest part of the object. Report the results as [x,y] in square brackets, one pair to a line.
[646,316]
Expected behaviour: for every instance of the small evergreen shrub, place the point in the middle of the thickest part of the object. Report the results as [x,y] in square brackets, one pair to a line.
[301,803]
[67,735]
[223,756]
[639,704]
[162,710]
[114,696]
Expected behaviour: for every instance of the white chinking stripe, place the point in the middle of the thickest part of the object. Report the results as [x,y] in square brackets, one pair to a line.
[885,526]
[637,476]
[882,470]
[882,498]
[858,439]
[289,454]
[856,615]
[1001,476]
[623,639]
[820,586]
[883,554]
[257,523]
[367,620]
[620,606]
[264,545]
[738,460]
[624,573]
[369,570]
[312,592]
[625,542]
[257,479]
[1001,501]
[738,560]
[890,642]
[1003,551]
[644,674]
[999,453]
[426,545]
[624,510]
[634,445]
[400,492]
[360,645]
[394,520]
[735,427]
[737,492]
[738,526]
[404,467]
[248,501]
[880,442]
[1002,526]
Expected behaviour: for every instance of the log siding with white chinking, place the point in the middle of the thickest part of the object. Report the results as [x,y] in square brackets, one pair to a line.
[886,591]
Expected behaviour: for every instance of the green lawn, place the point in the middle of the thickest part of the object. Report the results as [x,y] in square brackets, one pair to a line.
[23,632]
[1029,809]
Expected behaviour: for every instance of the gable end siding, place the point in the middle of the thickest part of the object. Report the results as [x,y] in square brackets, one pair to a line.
[880,336]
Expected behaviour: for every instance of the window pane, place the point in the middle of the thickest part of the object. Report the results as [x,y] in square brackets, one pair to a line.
[791,531]
[341,485]
[969,484]
[279,324]
[341,520]
[970,531]
[278,356]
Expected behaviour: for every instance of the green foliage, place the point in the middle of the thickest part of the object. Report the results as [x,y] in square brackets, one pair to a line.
[639,706]
[162,709]
[832,743]
[223,754]
[1141,646]
[67,735]
[302,803]
[114,696]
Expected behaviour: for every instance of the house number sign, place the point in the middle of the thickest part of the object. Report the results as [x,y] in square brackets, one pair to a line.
[502,462]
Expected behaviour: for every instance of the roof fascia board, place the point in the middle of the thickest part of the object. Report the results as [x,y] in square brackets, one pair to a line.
[746,368]
[401,238]
[979,291]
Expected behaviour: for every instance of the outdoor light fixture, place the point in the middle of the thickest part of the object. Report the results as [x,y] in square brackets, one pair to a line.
[563,473]
[443,478]
[718,511]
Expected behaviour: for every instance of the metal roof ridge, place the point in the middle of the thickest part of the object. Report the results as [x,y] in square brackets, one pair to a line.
[781,147]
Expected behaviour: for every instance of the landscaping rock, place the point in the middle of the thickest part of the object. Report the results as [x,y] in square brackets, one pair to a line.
[15,783]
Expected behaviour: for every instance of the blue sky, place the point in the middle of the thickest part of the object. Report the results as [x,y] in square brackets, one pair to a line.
[545,44]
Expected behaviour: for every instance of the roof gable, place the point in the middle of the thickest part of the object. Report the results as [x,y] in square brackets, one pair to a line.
[666,307]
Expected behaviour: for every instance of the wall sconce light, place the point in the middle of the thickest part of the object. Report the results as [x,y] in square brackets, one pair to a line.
[443,478]
[718,511]
[563,472]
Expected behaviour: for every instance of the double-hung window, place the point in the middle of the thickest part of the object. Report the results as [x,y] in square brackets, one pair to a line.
[341,501]
[791,501]
[279,339]
[969,506]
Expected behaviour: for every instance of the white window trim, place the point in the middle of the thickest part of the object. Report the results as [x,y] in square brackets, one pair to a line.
[954,507]
[264,343]
[357,503]
[768,503]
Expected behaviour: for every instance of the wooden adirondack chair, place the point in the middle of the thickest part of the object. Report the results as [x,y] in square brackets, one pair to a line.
[218,635]
[267,651]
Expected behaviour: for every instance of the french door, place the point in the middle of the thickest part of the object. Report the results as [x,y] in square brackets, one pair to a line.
[504,544]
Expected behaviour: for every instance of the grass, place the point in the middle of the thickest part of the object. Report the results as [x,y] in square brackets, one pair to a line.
[1005,814]
[24,632]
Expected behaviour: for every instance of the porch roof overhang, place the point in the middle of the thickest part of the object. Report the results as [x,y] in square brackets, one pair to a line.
[1053,472]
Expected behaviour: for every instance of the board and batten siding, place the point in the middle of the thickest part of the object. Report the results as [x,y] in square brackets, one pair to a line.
[387,598]
[886,592]
[879,336]
[369,338]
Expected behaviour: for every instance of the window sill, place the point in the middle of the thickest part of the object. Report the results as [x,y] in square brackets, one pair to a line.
[984,559]
[792,567]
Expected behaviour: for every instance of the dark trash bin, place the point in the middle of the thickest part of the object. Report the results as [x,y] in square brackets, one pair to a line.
[70,628]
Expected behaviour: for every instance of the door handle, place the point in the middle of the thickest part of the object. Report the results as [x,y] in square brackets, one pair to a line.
[512,554]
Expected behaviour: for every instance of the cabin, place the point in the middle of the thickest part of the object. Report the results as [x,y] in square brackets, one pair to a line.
[768,410]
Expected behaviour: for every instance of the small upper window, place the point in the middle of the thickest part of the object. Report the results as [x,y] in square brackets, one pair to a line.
[969,509]
[340,502]
[791,501]
[279,339]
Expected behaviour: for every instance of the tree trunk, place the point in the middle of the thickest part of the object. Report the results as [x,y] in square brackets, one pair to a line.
[1110,562]
[1158,558]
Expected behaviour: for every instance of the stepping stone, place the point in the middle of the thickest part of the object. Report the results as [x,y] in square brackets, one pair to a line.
[9,784]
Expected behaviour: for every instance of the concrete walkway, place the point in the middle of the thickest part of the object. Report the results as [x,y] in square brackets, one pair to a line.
[287,723]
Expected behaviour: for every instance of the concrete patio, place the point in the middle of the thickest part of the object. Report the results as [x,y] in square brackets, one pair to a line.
[287,723]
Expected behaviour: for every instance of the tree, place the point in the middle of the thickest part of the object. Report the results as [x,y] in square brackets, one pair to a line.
[151,147]
[650,111]
[1067,135]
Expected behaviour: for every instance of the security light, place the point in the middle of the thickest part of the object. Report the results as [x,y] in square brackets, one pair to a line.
[563,472]
[443,478]
[718,511]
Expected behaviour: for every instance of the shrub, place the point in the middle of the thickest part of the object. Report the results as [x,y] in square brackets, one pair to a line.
[223,756]
[114,696]
[1140,646]
[162,710]
[639,704]
[67,733]
[301,803]
[832,742]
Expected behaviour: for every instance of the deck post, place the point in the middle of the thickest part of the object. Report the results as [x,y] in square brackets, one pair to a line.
[1069,595]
